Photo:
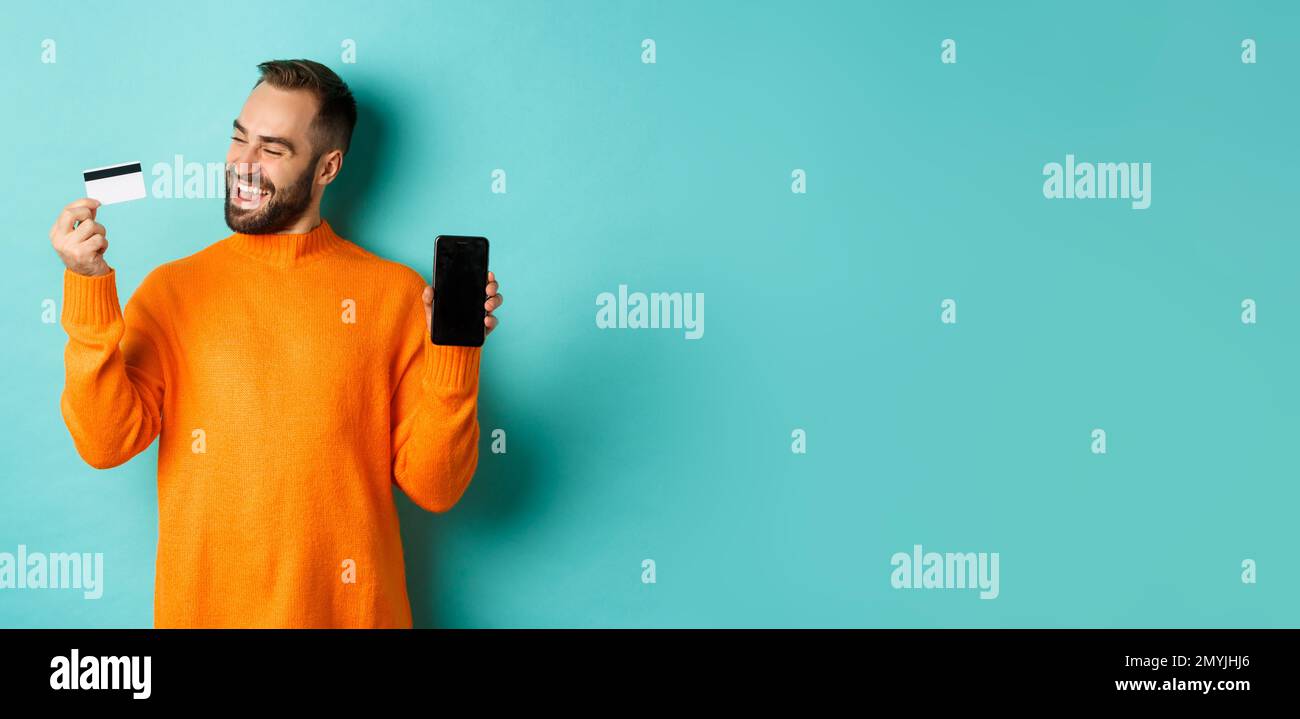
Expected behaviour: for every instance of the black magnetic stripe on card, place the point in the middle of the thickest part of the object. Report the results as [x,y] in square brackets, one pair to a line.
[112,171]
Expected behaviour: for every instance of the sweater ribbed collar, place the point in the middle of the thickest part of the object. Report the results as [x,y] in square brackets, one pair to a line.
[288,249]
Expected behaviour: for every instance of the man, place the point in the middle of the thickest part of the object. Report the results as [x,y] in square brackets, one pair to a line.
[289,376]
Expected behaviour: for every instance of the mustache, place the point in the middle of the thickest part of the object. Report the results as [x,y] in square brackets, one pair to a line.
[247,175]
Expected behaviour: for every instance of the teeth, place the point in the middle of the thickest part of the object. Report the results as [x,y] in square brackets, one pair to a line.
[248,190]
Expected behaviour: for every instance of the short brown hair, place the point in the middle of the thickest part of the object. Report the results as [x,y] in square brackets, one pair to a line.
[336,113]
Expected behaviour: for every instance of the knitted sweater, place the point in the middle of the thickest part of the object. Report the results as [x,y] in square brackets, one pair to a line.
[291,382]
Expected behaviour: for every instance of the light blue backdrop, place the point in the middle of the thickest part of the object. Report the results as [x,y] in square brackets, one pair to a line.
[924,183]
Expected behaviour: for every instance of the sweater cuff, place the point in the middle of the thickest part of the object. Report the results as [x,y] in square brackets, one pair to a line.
[451,366]
[90,300]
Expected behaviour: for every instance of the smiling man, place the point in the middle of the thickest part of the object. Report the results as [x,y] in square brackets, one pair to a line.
[289,376]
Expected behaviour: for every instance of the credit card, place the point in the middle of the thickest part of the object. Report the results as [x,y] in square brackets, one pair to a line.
[117,183]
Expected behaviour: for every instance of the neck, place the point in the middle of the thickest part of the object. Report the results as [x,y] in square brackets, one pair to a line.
[309,220]
[294,245]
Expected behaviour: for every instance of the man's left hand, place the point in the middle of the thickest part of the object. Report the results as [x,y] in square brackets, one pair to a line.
[493,300]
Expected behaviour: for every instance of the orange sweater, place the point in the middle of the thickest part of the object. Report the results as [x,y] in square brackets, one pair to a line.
[292,382]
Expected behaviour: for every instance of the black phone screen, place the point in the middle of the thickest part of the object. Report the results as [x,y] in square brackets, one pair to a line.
[459,291]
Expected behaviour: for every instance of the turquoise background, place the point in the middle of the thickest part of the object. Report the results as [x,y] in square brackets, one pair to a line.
[822,312]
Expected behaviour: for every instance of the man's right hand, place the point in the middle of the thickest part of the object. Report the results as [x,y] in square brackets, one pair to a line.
[79,240]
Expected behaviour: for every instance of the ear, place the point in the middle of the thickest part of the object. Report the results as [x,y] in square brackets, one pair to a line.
[329,166]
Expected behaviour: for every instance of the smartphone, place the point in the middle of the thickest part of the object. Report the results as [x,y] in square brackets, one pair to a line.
[459,291]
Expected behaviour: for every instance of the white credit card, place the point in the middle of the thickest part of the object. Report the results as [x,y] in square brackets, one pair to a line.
[117,183]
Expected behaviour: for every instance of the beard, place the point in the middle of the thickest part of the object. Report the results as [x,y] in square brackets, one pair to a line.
[284,207]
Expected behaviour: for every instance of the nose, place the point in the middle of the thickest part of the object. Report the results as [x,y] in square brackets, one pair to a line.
[246,168]
[241,159]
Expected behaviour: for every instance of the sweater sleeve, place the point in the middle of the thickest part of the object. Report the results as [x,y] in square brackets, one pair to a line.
[114,378]
[435,418]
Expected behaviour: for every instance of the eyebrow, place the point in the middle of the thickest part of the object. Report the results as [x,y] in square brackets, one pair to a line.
[268,139]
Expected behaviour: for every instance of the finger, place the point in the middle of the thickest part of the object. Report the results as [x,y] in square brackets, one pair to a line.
[492,288]
[490,322]
[87,202]
[491,277]
[427,295]
[494,302]
[96,243]
[70,216]
[83,208]
[84,231]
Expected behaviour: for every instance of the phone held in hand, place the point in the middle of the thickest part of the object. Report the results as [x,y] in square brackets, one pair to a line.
[459,291]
